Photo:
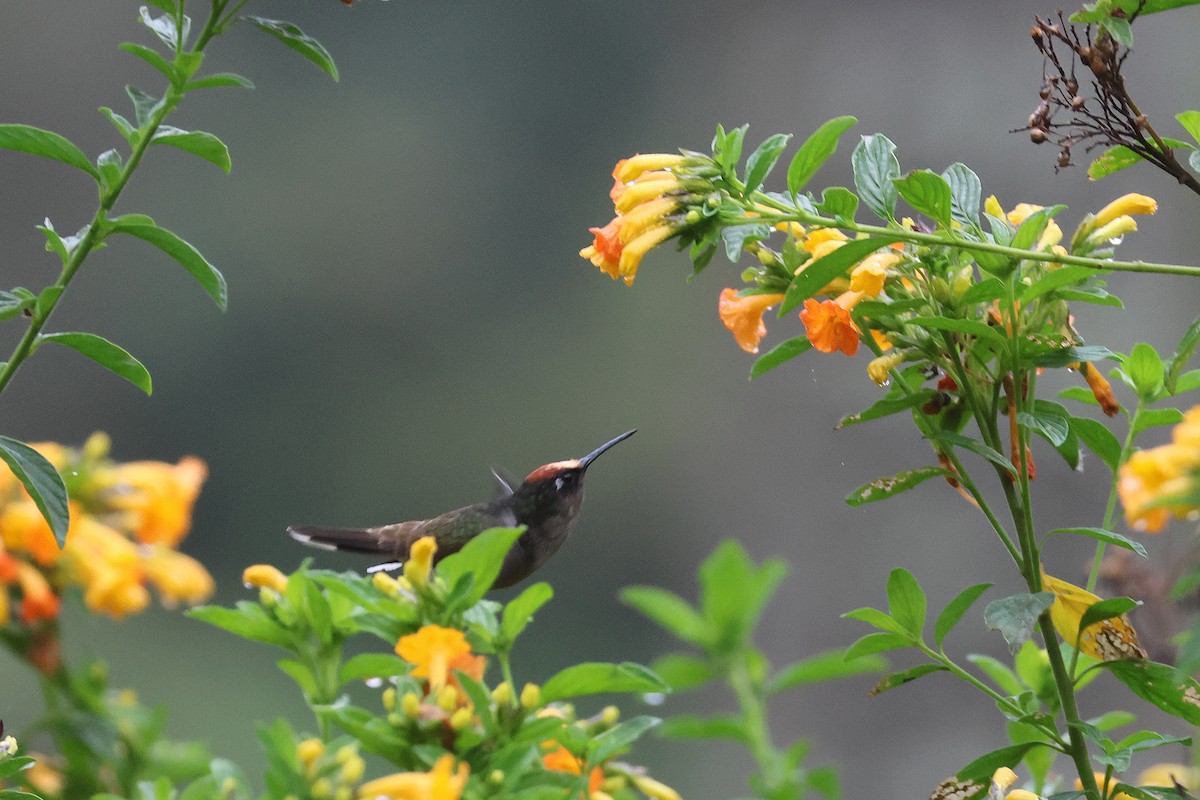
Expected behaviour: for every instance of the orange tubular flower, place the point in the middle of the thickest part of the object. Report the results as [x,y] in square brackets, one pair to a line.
[605,251]
[434,651]
[829,327]
[743,316]
[1101,388]
[561,760]
[158,497]
[24,530]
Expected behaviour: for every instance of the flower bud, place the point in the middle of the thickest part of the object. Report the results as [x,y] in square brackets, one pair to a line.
[503,694]
[496,777]
[655,790]
[531,696]
[310,750]
[410,704]
[389,698]
[352,770]
[460,719]
[420,561]
[386,584]
[610,715]
[322,788]
[265,576]
[447,699]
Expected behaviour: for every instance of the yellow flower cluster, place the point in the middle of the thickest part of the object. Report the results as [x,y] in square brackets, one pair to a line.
[126,522]
[330,775]
[1163,481]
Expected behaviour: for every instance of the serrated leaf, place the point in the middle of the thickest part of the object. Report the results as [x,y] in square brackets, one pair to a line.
[669,610]
[966,192]
[779,354]
[816,275]
[883,488]
[928,193]
[218,80]
[108,355]
[955,609]
[875,168]
[1015,617]
[35,141]
[827,666]
[815,151]
[187,256]
[43,483]
[594,678]
[762,160]
[907,676]
[1101,535]
[298,40]
[198,143]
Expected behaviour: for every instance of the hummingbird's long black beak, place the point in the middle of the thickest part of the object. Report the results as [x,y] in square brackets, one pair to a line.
[592,456]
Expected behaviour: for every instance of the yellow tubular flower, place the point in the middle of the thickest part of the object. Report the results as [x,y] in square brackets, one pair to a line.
[636,249]
[24,530]
[420,560]
[1166,775]
[430,650]
[822,236]
[440,783]
[1051,235]
[653,789]
[1002,779]
[993,207]
[1021,212]
[629,169]
[1123,206]
[1113,230]
[1151,477]
[879,370]
[158,497]
[1108,640]
[264,576]
[178,578]
[868,277]
[1022,794]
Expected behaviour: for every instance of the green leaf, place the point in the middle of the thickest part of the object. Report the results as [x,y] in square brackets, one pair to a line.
[1101,535]
[299,41]
[123,126]
[838,202]
[955,609]
[372,665]
[901,678]
[1183,354]
[685,726]
[1156,418]
[144,105]
[965,194]
[187,256]
[42,481]
[683,672]
[482,557]
[1016,617]
[198,143]
[616,739]
[816,275]
[967,327]
[13,764]
[762,160]
[1145,368]
[596,677]
[669,610]
[735,238]
[1057,279]
[1190,120]
[878,619]
[1106,609]
[299,673]
[35,141]
[883,488]
[152,57]
[827,666]
[1112,160]
[1162,685]
[165,29]
[984,292]
[887,406]
[218,80]
[981,769]
[998,671]
[906,601]
[1054,427]
[1032,227]
[875,169]
[734,592]
[520,610]
[1099,439]
[106,354]
[12,305]
[1072,355]
[815,151]
[874,643]
[979,448]
[781,353]
[928,193]
[248,621]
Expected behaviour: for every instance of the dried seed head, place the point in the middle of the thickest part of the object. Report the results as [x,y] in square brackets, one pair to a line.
[1038,135]
[1077,102]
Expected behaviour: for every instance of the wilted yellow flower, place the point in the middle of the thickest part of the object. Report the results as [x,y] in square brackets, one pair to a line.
[264,576]
[879,370]
[420,560]
[443,782]
[1108,640]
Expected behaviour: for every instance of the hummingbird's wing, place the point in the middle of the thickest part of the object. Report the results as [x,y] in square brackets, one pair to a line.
[504,482]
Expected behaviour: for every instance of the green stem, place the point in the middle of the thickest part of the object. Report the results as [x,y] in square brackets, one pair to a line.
[95,234]
[793,215]
[1111,507]
[754,719]
[506,671]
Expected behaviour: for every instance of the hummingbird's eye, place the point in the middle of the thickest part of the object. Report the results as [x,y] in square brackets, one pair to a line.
[564,481]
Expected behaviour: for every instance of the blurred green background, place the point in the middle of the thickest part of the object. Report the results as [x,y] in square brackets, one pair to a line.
[407,308]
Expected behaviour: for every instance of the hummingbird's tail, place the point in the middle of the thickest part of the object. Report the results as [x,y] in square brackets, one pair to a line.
[353,540]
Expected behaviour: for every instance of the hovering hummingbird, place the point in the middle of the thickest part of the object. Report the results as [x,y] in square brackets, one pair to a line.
[546,502]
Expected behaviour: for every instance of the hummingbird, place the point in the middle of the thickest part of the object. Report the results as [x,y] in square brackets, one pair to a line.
[547,503]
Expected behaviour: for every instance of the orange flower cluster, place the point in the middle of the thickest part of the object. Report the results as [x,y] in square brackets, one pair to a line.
[651,194]
[1163,481]
[436,652]
[126,521]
